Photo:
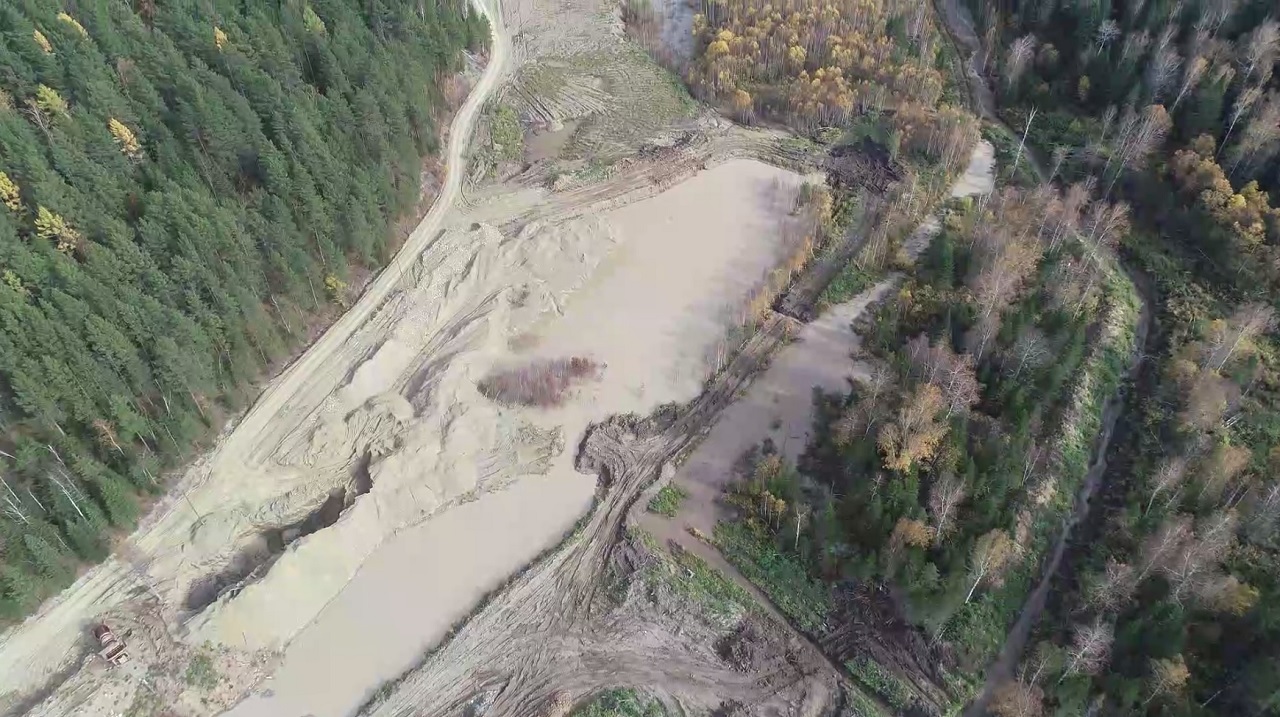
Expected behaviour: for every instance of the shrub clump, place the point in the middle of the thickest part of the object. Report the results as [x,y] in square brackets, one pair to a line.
[542,383]
[667,501]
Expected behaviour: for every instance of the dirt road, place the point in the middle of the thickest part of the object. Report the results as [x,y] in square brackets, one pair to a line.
[183,531]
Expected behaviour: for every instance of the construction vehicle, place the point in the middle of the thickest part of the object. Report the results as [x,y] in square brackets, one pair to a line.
[113,648]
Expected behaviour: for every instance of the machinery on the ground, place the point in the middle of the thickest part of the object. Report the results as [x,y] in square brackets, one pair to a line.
[112,648]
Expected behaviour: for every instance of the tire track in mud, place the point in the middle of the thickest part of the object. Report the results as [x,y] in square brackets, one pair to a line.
[550,633]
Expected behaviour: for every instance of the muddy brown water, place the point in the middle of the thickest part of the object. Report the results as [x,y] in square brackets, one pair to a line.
[653,322]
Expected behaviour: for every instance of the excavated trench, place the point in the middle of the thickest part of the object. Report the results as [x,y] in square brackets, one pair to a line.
[254,561]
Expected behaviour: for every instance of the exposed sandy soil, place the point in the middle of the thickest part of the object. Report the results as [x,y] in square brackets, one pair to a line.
[411,591]
[555,632]
[547,635]
[650,324]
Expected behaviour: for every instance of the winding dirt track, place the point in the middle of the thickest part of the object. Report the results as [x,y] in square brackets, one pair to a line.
[30,652]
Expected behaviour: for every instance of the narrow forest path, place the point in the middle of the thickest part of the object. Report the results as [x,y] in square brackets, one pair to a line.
[960,26]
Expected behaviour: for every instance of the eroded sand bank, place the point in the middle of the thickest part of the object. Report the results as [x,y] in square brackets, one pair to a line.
[672,278]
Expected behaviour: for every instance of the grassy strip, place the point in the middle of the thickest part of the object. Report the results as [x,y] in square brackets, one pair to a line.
[983,623]
[851,281]
[667,501]
[782,577]
[889,687]
[620,703]
[506,134]
[693,580]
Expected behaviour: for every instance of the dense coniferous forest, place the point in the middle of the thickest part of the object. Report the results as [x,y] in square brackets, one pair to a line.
[184,185]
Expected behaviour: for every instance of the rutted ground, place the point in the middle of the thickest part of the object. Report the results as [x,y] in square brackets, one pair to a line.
[550,637]
[415,587]
[555,634]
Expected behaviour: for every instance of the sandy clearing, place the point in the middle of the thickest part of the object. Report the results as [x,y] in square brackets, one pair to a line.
[980,176]
[660,304]
[654,323]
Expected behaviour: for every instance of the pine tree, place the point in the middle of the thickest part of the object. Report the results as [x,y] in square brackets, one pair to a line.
[47,561]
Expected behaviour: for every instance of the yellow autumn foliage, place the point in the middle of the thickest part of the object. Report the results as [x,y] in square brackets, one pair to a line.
[42,41]
[125,137]
[336,289]
[912,533]
[10,194]
[50,102]
[64,17]
[312,21]
[915,434]
[52,227]
[745,45]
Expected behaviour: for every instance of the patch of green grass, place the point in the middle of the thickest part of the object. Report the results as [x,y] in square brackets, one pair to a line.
[688,106]
[799,145]
[201,673]
[893,690]
[782,577]
[667,501]
[851,281]
[694,581]
[703,583]
[620,703]
[506,134]
[597,170]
